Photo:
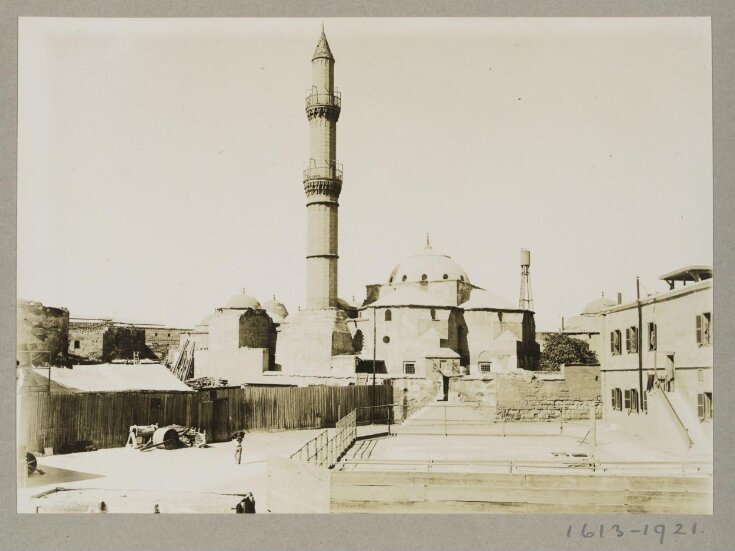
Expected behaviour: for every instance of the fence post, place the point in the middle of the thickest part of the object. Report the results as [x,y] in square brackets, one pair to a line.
[445,420]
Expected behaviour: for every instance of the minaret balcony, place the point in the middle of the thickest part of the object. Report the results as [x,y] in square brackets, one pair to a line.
[323,172]
[323,104]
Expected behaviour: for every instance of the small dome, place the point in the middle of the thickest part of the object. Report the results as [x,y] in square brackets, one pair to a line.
[428,265]
[598,305]
[242,301]
[276,310]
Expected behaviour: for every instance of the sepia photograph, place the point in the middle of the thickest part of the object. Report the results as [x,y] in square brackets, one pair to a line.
[365,265]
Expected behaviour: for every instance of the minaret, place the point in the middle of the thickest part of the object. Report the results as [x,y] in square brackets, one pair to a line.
[322,181]
[307,344]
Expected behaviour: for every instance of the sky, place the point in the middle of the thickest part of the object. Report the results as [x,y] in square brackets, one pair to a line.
[159,160]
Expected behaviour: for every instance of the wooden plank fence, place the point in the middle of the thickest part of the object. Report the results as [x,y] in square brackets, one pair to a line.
[55,419]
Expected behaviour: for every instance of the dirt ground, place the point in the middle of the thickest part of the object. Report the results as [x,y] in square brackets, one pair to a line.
[207,480]
[187,480]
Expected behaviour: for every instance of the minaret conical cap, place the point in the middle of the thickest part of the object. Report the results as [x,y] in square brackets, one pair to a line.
[322,48]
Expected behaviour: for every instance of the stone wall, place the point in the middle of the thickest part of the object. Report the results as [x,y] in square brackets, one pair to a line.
[43,334]
[103,341]
[538,396]
[160,339]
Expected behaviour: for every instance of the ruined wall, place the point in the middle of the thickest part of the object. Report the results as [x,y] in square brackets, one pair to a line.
[121,343]
[86,340]
[570,393]
[43,334]
[159,340]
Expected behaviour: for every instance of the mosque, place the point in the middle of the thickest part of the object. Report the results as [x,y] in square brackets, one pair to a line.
[427,324]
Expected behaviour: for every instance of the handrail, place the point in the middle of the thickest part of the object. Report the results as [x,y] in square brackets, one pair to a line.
[325,451]
[324,98]
[676,416]
[331,171]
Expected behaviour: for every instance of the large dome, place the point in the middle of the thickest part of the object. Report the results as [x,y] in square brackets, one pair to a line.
[242,301]
[427,265]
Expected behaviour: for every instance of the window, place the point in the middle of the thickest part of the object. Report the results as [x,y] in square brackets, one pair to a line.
[76,344]
[631,340]
[433,313]
[445,276]
[617,399]
[388,315]
[409,368]
[651,336]
[485,367]
[386,339]
[390,280]
[627,400]
[645,401]
[615,342]
[404,278]
[700,375]
[704,406]
[634,403]
[424,277]
[704,329]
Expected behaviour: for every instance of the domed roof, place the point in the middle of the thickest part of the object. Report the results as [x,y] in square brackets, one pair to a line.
[598,305]
[427,265]
[242,301]
[276,310]
[481,299]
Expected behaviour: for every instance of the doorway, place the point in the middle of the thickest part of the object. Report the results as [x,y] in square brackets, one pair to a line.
[445,387]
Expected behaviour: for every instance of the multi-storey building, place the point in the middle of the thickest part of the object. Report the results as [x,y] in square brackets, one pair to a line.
[657,363]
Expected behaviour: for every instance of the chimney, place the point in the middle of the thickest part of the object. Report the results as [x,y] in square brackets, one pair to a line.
[620,298]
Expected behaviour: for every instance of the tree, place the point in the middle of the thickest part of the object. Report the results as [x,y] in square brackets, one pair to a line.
[563,349]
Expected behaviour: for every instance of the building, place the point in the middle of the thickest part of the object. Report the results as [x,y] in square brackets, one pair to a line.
[43,334]
[657,364]
[586,326]
[429,321]
[104,340]
[431,325]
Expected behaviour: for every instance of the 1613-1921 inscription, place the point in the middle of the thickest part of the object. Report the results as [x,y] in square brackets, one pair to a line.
[660,531]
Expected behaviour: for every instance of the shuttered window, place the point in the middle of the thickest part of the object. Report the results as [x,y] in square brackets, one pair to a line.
[634,400]
[615,337]
[645,401]
[626,404]
[704,328]
[652,336]
[631,340]
[704,406]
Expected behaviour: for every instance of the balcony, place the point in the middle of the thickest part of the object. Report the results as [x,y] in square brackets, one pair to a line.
[325,171]
[324,99]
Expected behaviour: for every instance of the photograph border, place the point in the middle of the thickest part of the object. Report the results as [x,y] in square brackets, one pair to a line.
[360,531]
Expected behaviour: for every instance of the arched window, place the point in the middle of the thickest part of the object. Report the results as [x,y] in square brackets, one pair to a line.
[433,313]
[446,276]
[388,315]
[403,278]
[424,277]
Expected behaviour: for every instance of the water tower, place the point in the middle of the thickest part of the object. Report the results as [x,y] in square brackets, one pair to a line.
[525,302]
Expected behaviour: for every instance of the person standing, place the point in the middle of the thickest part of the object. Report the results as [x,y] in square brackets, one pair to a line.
[238,449]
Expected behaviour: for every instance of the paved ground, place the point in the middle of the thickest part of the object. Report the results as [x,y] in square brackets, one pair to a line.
[453,432]
[179,481]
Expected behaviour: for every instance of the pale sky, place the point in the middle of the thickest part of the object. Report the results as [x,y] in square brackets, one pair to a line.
[160,160]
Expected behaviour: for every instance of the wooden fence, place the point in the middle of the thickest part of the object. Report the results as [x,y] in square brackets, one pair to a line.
[54,419]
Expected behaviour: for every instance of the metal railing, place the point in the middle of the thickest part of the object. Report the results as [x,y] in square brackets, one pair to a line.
[582,465]
[323,98]
[324,451]
[328,171]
